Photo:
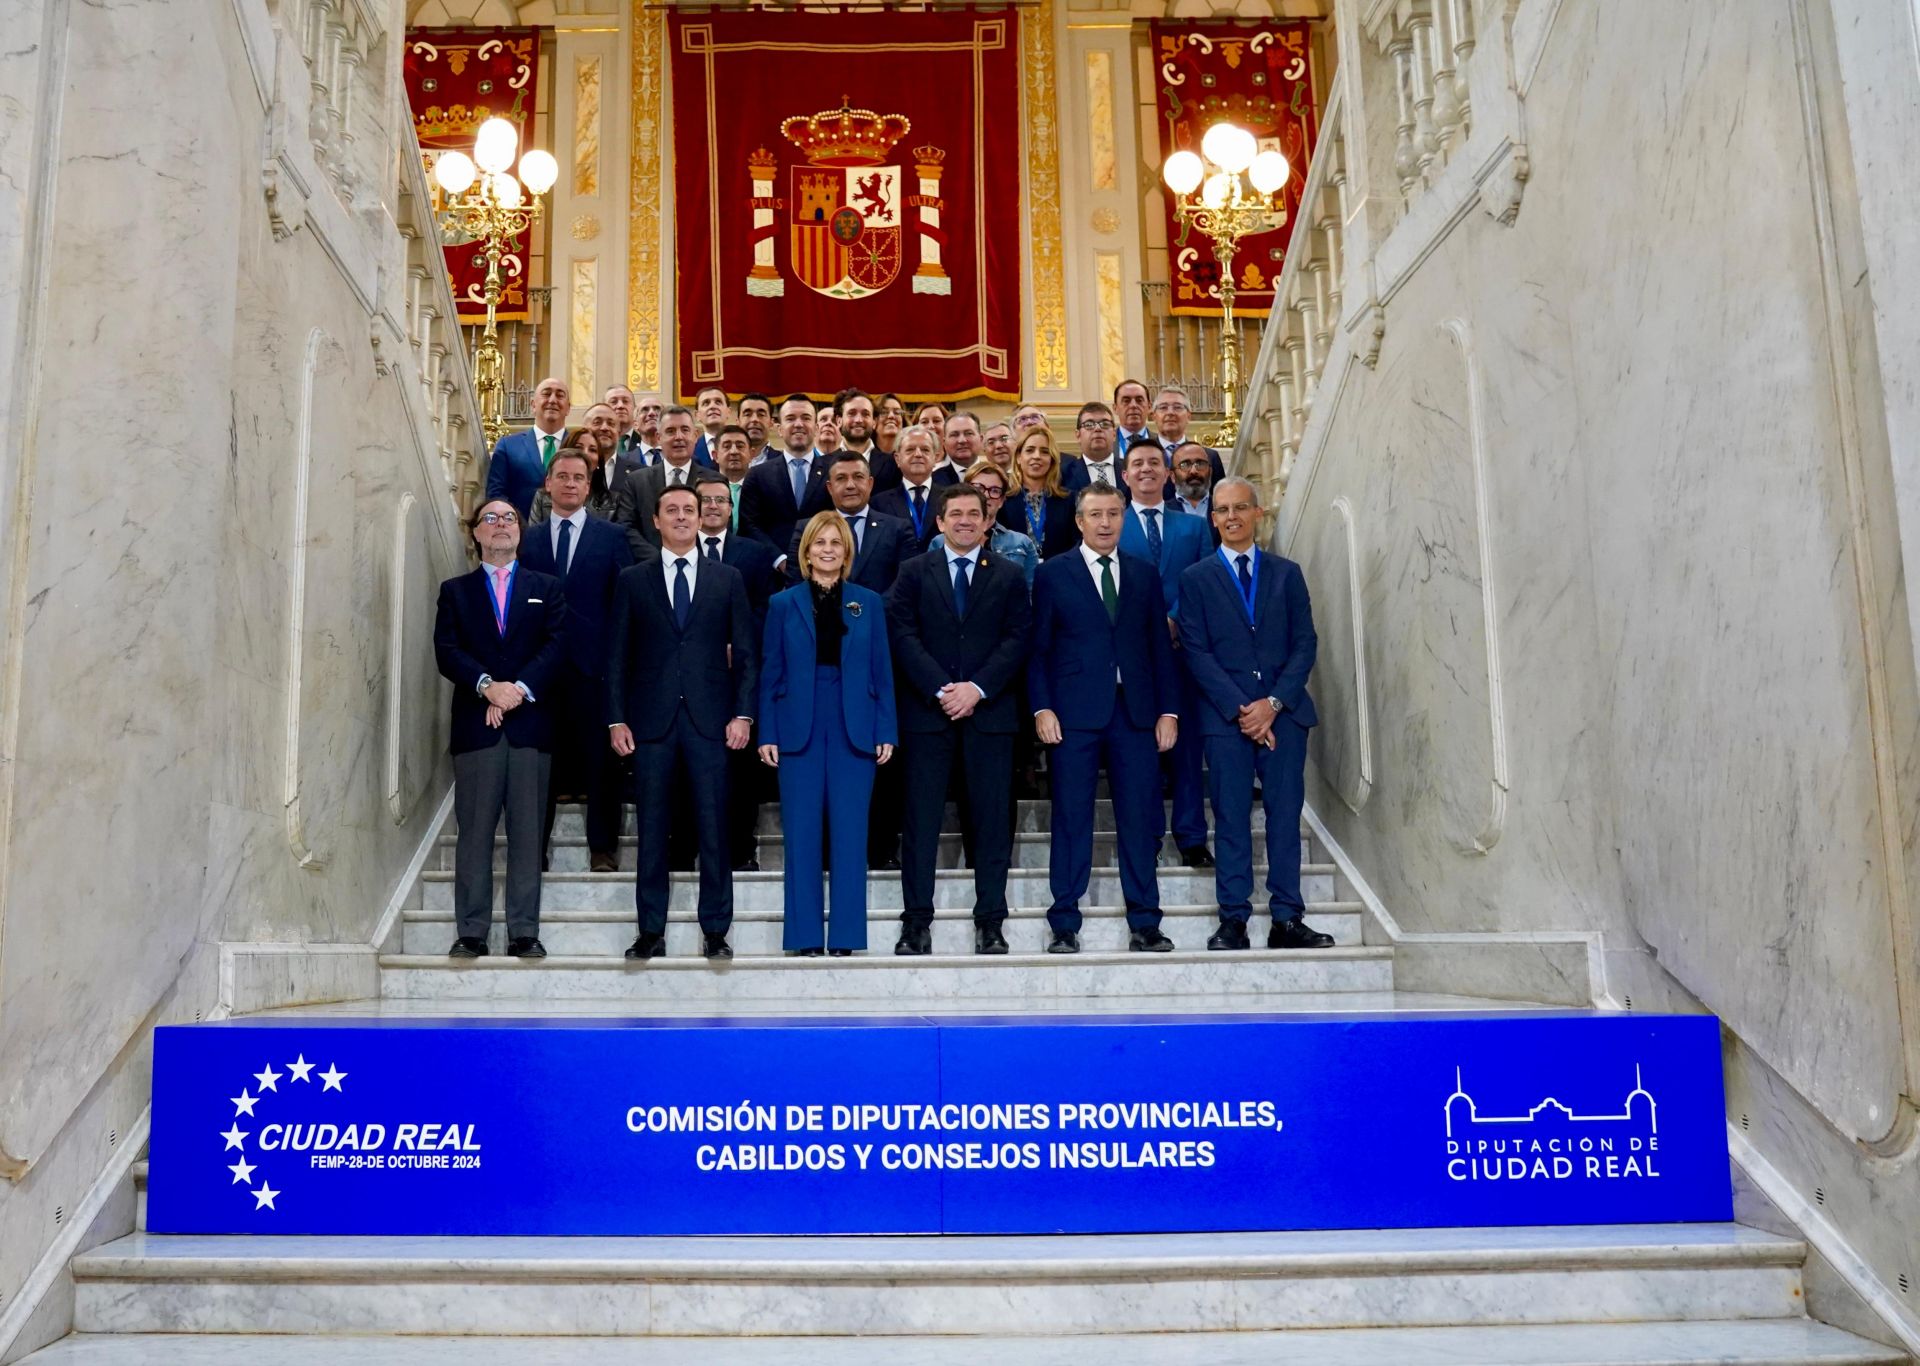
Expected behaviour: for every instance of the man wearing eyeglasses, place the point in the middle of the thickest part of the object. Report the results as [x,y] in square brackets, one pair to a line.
[1172,414]
[1096,463]
[498,637]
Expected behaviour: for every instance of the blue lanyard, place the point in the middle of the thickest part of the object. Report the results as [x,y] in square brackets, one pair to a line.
[1251,593]
[499,612]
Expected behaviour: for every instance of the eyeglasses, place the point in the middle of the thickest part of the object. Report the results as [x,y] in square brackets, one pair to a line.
[1096,425]
[499,518]
[991,492]
[724,501]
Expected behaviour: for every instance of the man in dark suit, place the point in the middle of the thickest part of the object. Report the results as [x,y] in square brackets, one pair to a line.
[1103,688]
[747,777]
[1247,628]
[880,542]
[1174,541]
[713,410]
[779,495]
[756,420]
[1172,415]
[1131,406]
[682,668]
[912,500]
[518,466]
[586,554]
[1193,481]
[1098,461]
[960,623]
[498,636]
[638,490]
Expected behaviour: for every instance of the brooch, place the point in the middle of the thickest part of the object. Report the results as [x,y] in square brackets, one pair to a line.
[853,609]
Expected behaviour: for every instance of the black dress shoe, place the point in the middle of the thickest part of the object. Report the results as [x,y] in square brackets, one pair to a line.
[1064,941]
[527,947]
[714,946]
[815,952]
[646,946]
[839,953]
[466,946]
[1232,934]
[988,939]
[747,865]
[914,942]
[1149,941]
[1196,857]
[1297,934]
[605,863]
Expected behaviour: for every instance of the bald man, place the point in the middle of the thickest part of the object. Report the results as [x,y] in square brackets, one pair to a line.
[518,468]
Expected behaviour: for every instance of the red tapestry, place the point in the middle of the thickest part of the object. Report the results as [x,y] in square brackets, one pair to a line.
[457,79]
[845,210]
[1255,75]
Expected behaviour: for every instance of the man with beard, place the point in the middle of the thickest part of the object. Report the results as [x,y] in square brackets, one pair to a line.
[781,494]
[1193,483]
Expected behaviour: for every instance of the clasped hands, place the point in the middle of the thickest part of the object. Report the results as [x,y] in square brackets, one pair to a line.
[501,699]
[1256,721]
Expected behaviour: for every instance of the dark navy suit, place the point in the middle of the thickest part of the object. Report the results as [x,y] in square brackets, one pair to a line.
[1108,680]
[583,761]
[1235,661]
[503,769]
[677,688]
[895,503]
[885,543]
[515,470]
[827,722]
[747,780]
[767,510]
[1183,542]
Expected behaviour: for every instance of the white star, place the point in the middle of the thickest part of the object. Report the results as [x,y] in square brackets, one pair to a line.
[242,1170]
[331,1078]
[269,1080]
[264,1197]
[300,1068]
[243,1103]
[235,1139]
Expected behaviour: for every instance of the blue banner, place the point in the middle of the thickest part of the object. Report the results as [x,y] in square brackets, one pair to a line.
[925,1125]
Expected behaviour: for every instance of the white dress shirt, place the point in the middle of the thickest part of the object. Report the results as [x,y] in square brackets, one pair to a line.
[579,520]
[667,562]
[972,557]
[670,471]
[859,529]
[1099,471]
[700,546]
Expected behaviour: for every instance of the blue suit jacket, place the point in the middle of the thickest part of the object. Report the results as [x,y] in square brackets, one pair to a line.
[1232,665]
[1183,542]
[467,643]
[1076,648]
[516,472]
[866,670]
[598,557]
[653,665]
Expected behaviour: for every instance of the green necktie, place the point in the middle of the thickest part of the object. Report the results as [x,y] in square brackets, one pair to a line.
[546,450]
[1109,594]
[734,491]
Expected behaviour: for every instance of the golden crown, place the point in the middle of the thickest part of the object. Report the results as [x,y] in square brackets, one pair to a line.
[845,136]
[929,156]
[760,159]
[456,120]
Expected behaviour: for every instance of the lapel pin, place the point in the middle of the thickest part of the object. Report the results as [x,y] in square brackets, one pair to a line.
[853,609]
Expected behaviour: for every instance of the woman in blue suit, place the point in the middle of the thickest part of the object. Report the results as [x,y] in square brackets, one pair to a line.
[826,721]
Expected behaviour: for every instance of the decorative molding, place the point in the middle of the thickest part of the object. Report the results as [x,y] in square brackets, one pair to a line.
[1103,162]
[386,934]
[586,125]
[1504,181]
[585,227]
[583,332]
[1045,243]
[1357,616]
[397,650]
[298,838]
[1110,307]
[1366,330]
[1489,834]
[283,182]
[643,195]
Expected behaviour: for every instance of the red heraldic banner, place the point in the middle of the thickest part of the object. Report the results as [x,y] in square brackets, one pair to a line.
[1255,75]
[844,202]
[457,79]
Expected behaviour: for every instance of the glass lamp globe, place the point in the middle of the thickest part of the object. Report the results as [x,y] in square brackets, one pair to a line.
[1183,172]
[1269,171]
[1229,147]
[538,171]
[506,190]
[1217,190]
[454,171]
[495,144]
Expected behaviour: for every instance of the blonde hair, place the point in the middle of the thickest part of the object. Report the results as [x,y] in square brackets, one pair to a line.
[1052,483]
[827,521]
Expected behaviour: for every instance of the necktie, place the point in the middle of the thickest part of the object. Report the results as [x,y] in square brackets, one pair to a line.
[650,456]
[798,469]
[960,587]
[713,547]
[733,492]
[1153,531]
[1246,582]
[1100,475]
[682,595]
[919,511]
[676,478]
[499,578]
[546,450]
[855,523]
[563,557]
[1109,592]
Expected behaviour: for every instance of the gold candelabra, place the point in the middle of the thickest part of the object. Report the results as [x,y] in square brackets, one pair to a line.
[484,202]
[1226,191]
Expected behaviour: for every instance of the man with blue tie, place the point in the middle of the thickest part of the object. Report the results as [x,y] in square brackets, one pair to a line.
[1103,688]
[880,542]
[779,495]
[498,636]
[913,499]
[586,554]
[683,666]
[1131,404]
[1173,541]
[1246,625]
[518,467]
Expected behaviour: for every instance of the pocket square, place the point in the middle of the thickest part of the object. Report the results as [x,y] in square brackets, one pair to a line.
[534,600]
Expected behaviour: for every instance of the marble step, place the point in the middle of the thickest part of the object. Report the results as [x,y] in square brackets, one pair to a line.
[1030,850]
[1171,1283]
[1035,980]
[570,820]
[1719,1342]
[953,890]
[757,933]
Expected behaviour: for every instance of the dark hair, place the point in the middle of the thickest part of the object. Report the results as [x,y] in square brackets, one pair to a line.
[749,398]
[570,452]
[1097,489]
[843,456]
[1201,446]
[710,389]
[968,414]
[702,476]
[733,429]
[473,522]
[846,396]
[677,488]
[798,398]
[949,492]
[895,397]
[1093,406]
[1148,393]
[1152,448]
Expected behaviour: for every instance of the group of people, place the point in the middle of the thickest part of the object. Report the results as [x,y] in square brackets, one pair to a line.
[696,608]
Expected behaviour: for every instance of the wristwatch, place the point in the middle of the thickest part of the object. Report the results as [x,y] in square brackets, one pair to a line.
[486,681]
[1276,704]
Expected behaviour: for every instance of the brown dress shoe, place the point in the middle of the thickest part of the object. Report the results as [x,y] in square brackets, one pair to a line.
[606,863]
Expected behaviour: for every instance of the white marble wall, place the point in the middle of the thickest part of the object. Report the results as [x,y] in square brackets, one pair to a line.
[1639,443]
[201,567]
